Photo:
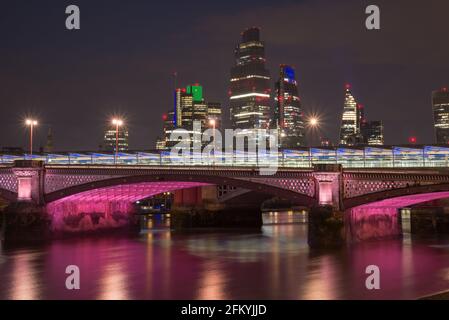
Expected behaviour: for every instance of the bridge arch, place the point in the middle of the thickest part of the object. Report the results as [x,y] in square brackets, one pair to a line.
[408,195]
[170,182]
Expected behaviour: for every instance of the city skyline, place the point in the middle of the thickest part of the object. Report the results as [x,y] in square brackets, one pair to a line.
[136,80]
[212,153]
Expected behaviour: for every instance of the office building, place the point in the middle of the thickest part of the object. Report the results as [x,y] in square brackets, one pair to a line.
[249,92]
[288,116]
[440,106]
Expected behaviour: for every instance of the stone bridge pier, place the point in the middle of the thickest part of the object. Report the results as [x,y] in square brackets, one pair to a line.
[326,219]
[25,219]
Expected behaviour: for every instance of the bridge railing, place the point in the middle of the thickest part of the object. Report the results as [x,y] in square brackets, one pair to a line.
[365,157]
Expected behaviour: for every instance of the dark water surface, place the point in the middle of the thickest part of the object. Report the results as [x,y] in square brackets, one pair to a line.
[275,263]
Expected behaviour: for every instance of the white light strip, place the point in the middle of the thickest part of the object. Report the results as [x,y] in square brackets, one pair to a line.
[254,94]
[249,77]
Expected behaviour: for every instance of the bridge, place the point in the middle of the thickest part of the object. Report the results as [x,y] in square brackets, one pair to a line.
[85,196]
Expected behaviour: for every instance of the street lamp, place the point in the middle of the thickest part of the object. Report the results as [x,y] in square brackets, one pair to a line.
[31,123]
[212,122]
[118,123]
[313,125]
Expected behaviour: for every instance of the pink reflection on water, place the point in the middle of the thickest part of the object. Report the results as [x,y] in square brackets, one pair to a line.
[162,265]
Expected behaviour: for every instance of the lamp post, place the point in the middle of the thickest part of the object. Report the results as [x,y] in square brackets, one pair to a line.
[118,123]
[213,123]
[313,125]
[31,123]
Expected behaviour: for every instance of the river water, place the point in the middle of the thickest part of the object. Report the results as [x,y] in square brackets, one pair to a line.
[274,263]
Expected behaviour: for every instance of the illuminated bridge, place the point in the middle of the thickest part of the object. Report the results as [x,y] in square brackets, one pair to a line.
[355,157]
[88,191]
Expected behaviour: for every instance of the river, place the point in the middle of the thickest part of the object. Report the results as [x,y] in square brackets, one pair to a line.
[273,263]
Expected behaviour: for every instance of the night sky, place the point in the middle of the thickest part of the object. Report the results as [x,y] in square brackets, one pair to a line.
[123,58]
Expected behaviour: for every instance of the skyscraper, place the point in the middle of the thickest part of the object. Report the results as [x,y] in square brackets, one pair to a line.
[440,105]
[288,118]
[250,84]
[110,139]
[349,123]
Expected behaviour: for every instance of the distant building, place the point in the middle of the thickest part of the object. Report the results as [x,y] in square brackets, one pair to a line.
[189,107]
[214,113]
[110,136]
[288,116]
[440,106]
[49,145]
[249,92]
[349,123]
[12,150]
[355,129]
[372,132]
[325,142]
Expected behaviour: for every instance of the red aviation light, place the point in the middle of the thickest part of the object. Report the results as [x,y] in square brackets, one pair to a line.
[412,140]
[347,86]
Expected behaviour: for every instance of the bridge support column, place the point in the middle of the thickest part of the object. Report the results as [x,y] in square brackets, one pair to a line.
[30,181]
[326,221]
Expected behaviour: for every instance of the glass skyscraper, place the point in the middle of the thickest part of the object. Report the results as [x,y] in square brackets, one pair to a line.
[440,105]
[249,92]
[350,119]
[288,117]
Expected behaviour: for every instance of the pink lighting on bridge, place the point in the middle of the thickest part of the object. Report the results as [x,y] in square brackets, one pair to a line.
[381,219]
[406,201]
[24,188]
[129,192]
[109,207]
[325,193]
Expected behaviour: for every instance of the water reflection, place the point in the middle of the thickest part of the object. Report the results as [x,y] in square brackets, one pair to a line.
[272,263]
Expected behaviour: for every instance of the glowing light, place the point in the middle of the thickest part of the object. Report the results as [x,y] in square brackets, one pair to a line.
[412,139]
[313,122]
[254,94]
[31,122]
[212,122]
[117,122]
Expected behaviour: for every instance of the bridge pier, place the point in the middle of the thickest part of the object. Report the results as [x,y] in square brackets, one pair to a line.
[326,220]
[26,218]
